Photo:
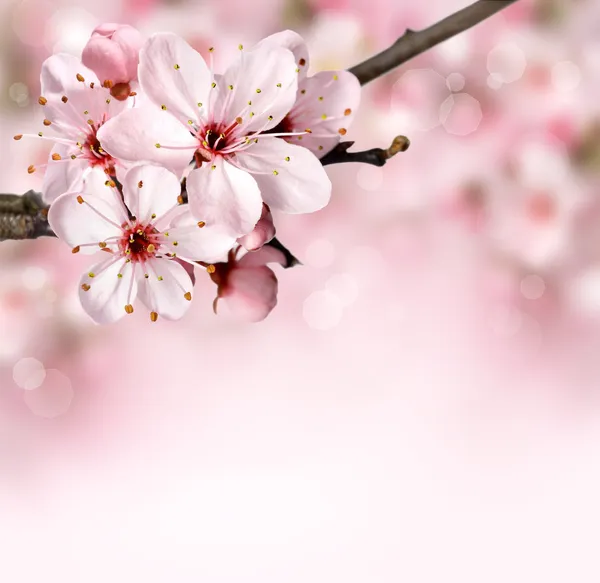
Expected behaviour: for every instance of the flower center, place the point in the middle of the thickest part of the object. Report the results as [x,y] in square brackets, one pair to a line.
[139,243]
[93,151]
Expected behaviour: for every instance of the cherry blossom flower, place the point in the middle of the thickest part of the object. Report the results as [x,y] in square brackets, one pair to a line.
[326,102]
[220,122]
[247,285]
[144,233]
[113,54]
[76,107]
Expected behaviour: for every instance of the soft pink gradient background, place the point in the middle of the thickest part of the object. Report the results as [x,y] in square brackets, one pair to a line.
[424,403]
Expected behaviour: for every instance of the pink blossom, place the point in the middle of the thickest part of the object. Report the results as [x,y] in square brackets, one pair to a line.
[326,103]
[220,123]
[262,233]
[247,285]
[143,233]
[76,107]
[113,54]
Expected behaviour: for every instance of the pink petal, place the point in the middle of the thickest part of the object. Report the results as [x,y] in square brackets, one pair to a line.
[131,42]
[108,294]
[78,224]
[166,297]
[255,77]
[251,293]
[134,134]
[222,195]
[263,256]
[262,233]
[173,74]
[106,59]
[150,190]
[61,177]
[59,79]
[209,243]
[297,185]
[288,39]
[341,99]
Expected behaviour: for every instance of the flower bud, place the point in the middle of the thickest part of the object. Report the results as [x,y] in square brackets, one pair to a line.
[248,286]
[113,54]
[263,232]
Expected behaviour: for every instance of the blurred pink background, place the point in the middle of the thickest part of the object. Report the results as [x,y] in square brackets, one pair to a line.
[424,403]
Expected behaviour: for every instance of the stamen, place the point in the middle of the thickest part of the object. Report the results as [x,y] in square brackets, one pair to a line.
[31,169]
[80,78]
[85,287]
[129,309]
[18,137]
[211,269]
[348,111]
[42,101]
[76,250]
[153,316]
[188,296]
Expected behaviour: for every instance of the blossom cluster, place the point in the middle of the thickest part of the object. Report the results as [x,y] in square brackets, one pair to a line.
[163,165]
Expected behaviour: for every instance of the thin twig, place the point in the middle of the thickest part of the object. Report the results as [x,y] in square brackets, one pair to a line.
[413,43]
[375,156]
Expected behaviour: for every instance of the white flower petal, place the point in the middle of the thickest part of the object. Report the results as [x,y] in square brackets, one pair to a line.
[288,39]
[63,176]
[59,79]
[133,136]
[107,294]
[333,95]
[223,195]
[291,179]
[92,222]
[267,78]
[149,190]
[194,243]
[173,74]
[166,296]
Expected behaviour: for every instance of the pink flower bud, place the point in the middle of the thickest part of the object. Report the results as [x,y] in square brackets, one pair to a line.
[113,54]
[262,233]
[248,286]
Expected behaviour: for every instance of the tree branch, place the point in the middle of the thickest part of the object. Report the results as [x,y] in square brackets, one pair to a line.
[375,156]
[23,217]
[413,43]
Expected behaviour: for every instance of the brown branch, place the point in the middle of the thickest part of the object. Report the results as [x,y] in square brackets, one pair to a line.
[375,156]
[23,217]
[413,43]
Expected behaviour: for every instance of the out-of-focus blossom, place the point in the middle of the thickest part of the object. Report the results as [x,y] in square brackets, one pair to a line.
[326,103]
[220,122]
[76,107]
[248,285]
[142,234]
[262,233]
[113,53]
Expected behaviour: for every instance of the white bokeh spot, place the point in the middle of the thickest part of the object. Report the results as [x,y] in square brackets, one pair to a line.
[344,286]
[53,398]
[461,114]
[532,287]
[506,62]
[29,373]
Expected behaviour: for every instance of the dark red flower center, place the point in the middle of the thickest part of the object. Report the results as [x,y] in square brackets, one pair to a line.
[140,243]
